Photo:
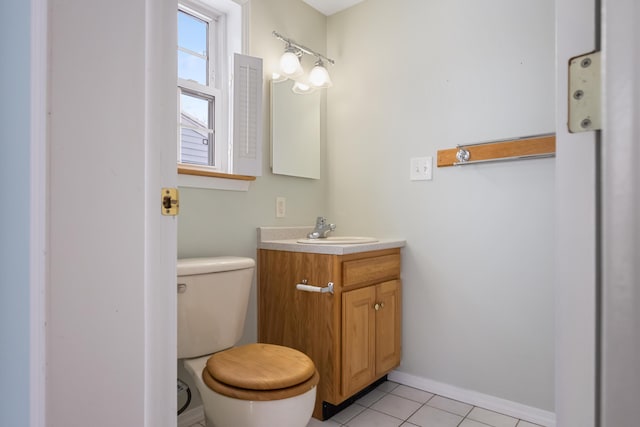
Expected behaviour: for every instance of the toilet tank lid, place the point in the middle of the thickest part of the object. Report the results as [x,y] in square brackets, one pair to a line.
[191,266]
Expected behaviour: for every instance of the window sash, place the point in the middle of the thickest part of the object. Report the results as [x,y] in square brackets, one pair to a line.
[215,151]
[215,40]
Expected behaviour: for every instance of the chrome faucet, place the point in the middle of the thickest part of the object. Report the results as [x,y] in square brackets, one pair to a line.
[322,229]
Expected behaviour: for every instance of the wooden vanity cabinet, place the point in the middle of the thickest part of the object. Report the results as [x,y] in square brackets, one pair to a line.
[353,335]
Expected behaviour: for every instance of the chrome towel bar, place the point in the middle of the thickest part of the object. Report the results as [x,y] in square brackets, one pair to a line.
[505,159]
[309,288]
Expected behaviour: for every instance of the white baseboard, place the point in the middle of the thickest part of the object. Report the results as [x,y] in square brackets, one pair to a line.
[503,406]
[190,417]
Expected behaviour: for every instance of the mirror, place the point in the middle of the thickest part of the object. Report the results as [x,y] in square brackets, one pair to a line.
[295,131]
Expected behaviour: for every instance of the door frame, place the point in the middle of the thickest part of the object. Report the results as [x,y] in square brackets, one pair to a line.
[598,224]
[620,214]
[38,212]
[576,224]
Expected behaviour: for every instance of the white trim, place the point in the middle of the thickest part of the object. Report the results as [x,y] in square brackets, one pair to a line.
[246,25]
[575,231]
[203,90]
[160,232]
[503,406]
[38,213]
[192,416]
[620,205]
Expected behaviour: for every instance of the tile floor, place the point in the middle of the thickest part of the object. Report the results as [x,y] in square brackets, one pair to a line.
[392,405]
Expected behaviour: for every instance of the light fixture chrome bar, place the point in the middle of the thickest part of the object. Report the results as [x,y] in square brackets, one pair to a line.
[301,47]
[505,159]
[543,135]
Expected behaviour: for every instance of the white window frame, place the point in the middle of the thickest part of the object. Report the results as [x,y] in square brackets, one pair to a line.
[226,33]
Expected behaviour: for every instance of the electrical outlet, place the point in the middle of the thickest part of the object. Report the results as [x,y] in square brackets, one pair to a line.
[421,168]
[281,207]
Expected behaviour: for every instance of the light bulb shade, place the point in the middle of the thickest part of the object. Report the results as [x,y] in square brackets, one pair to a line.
[302,88]
[277,77]
[290,64]
[319,76]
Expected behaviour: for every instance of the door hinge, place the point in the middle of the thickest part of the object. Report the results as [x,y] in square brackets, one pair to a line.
[170,201]
[585,107]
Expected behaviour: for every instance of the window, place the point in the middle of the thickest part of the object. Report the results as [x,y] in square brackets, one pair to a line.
[209,37]
[199,62]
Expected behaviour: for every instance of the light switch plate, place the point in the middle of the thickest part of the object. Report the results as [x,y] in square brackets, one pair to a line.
[421,168]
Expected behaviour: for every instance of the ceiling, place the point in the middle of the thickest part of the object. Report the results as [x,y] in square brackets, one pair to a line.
[329,7]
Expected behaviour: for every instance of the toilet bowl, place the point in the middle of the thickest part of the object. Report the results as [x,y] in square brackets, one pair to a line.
[254,385]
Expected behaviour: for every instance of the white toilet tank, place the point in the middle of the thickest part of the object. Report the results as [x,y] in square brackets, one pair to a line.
[213,294]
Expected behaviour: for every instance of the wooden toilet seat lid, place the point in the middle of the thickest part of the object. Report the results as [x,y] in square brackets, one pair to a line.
[260,366]
[259,395]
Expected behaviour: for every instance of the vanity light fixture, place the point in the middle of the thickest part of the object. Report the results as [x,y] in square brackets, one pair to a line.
[291,68]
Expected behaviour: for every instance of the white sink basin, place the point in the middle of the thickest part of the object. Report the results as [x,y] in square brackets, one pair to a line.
[339,240]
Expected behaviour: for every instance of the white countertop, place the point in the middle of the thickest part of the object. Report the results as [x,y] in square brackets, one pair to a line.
[286,239]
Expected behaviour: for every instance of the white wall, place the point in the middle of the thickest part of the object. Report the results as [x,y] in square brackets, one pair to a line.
[416,76]
[15,176]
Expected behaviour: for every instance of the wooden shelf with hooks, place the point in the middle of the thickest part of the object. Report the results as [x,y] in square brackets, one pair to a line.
[498,151]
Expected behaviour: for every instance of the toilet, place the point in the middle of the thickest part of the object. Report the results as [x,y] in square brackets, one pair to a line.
[254,385]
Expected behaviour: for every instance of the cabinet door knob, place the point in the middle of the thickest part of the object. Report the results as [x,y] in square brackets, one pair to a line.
[378,306]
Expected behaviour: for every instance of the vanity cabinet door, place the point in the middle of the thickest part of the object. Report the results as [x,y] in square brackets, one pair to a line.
[370,334]
[388,331]
[358,339]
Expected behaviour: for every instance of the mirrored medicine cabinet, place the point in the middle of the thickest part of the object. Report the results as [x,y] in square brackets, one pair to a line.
[295,131]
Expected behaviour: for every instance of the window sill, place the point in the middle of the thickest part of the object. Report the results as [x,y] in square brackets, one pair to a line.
[199,177]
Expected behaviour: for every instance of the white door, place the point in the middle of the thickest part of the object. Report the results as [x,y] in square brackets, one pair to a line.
[111,289]
[598,224]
